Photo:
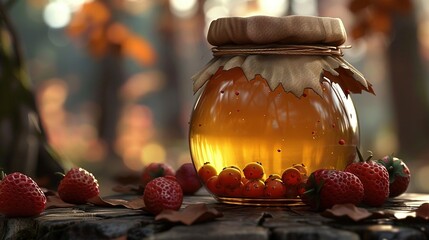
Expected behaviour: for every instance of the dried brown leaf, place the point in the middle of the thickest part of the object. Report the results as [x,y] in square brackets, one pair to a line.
[192,214]
[135,204]
[347,82]
[423,211]
[53,201]
[351,212]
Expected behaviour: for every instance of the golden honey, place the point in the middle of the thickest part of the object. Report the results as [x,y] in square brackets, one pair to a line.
[236,121]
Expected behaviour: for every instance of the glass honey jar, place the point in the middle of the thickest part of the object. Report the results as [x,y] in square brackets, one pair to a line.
[274,105]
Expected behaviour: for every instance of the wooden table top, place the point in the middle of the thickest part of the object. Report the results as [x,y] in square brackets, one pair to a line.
[238,222]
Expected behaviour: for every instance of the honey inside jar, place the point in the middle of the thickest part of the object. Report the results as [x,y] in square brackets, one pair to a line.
[236,121]
[274,106]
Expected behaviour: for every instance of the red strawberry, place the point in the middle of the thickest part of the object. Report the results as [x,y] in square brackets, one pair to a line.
[188,179]
[20,196]
[399,175]
[162,193]
[77,186]
[375,180]
[155,170]
[327,187]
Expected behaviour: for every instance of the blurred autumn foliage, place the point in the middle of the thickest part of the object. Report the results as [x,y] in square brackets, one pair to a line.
[99,26]
[376,15]
[95,25]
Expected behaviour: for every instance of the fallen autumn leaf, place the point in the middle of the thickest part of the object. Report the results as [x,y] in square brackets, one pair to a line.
[192,214]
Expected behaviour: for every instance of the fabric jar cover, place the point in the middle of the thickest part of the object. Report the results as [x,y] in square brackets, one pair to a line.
[296,52]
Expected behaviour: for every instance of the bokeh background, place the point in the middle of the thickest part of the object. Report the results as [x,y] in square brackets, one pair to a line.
[112,77]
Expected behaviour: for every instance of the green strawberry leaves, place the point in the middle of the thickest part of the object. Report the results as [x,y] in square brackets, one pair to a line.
[361,157]
[157,173]
[313,193]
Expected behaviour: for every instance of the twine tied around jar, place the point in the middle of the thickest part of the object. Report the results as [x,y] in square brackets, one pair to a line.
[318,50]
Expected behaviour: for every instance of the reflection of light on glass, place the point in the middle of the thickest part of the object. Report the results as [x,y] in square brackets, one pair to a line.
[152,152]
[304,7]
[273,7]
[57,14]
[183,8]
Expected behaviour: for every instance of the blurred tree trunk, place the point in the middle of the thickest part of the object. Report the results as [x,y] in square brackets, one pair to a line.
[23,142]
[111,78]
[408,87]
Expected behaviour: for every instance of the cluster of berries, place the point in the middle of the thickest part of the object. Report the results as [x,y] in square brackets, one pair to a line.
[250,182]
[164,188]
[20,196]
[368,182]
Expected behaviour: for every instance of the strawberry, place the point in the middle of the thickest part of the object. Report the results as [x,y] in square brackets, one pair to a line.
[155,170]
[20,196]
[77,186]
[188,179]
[375,180]
[162,193]
[399,174]
[327,187]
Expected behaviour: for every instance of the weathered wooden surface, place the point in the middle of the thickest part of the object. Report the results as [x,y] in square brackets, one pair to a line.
[238,222]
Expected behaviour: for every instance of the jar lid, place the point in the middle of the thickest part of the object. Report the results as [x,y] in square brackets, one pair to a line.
[277,30]
[296,52]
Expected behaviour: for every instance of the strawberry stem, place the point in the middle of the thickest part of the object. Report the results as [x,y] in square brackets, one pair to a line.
[309,191]
[370,156]
[361,157]
[60,174]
